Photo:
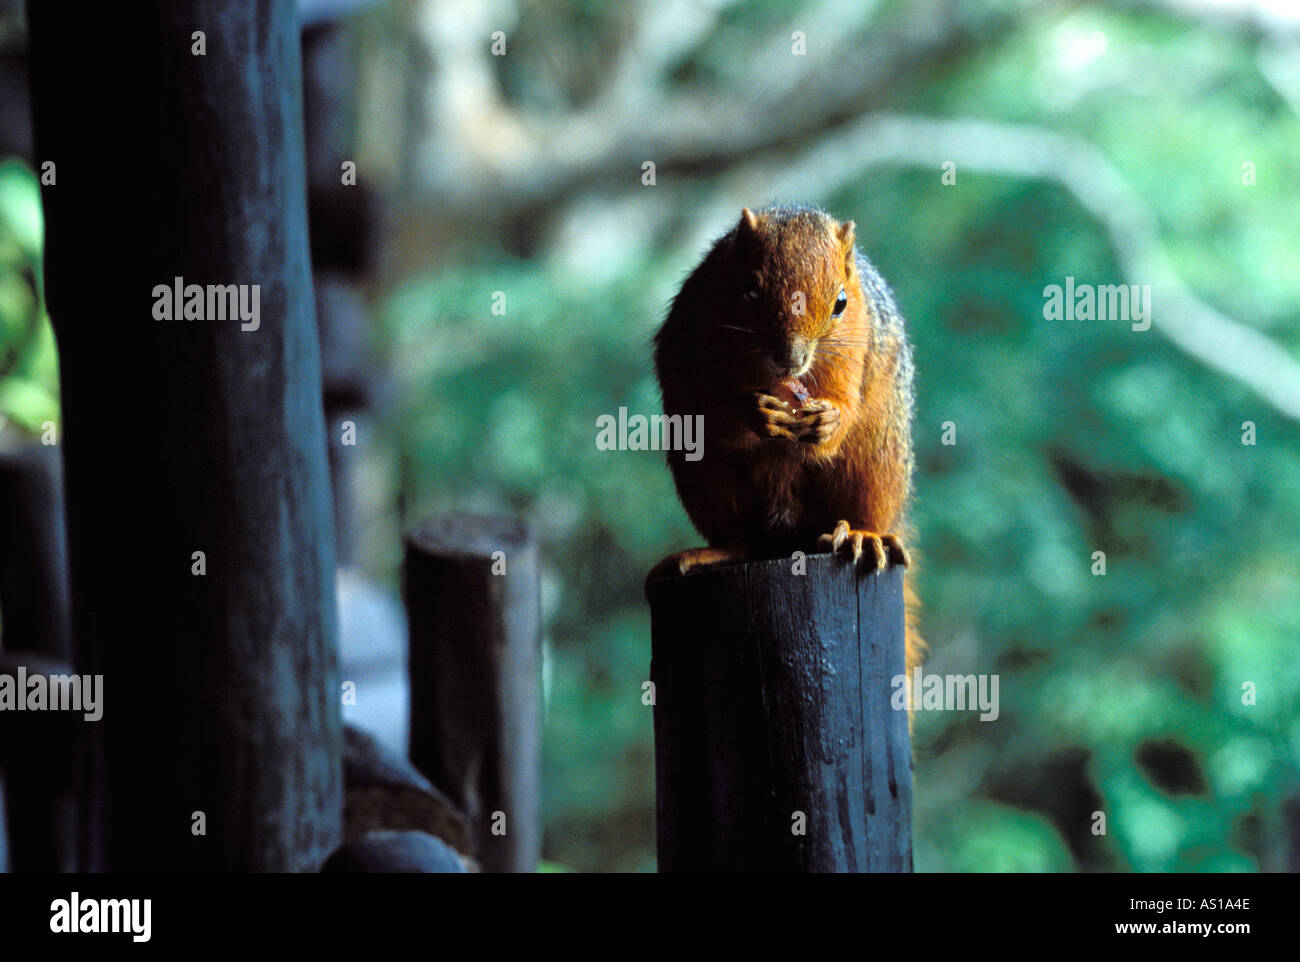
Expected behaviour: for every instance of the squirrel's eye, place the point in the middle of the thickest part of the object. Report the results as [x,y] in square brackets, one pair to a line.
[751,296]
[841,302]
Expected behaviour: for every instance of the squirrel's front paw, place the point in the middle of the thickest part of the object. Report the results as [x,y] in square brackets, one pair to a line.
[868,544]
[815,422]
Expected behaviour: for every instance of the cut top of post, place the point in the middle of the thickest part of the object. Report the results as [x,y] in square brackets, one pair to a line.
[469,535]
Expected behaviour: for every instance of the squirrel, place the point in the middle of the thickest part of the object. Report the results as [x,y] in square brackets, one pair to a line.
[788,341]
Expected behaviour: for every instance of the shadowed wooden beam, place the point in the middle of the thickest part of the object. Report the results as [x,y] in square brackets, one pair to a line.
[777,744]
[404,852]
[40,809]
[174,128]
[33,554]
[37,757]
[384,792]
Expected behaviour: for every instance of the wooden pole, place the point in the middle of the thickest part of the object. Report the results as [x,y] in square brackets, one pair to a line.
[773,718]
[384,792]
[37,755]
[472,597]
[199,515]
[404,852]
[40,805]
[33,553]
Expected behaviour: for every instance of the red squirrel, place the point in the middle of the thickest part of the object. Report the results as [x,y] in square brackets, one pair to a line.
[788,341]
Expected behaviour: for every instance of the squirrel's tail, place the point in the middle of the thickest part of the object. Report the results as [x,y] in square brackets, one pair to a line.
[912,623]
[914,643]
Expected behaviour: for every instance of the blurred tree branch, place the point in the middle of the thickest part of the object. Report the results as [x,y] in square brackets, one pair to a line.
[482,153]
[1279,64]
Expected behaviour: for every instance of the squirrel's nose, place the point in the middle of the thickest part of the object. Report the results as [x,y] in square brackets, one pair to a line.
[797,353]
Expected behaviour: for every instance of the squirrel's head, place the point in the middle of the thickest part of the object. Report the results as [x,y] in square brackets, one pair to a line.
[797,290]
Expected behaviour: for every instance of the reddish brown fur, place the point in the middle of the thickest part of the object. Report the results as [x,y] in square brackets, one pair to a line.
[774,481]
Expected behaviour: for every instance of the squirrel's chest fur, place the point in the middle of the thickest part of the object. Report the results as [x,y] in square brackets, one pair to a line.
[774,498]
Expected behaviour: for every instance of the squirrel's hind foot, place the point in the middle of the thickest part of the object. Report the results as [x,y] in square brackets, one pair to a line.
[684,562]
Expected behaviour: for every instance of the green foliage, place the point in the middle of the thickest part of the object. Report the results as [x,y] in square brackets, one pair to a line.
[984,837]
[28,360]
[1121,694]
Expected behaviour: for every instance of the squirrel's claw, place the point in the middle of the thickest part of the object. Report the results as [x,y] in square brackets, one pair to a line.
[819,421]
[774,417]
[870,543]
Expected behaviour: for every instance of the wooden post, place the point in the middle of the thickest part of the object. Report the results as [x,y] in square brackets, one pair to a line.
[773,714]
[384,793]
[33,554]
[199,514]
[472,597]
[39,801]
[403,852]
[37,754]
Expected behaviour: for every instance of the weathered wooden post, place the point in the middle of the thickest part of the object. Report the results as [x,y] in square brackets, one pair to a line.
[384,792]
[37,755]
[394,819]
[33,553]
[777,748]
[170,145]
[472,598]
[404,852]
[39,804]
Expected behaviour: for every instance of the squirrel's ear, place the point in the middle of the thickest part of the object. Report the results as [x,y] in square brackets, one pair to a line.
[846,236]
[746,233]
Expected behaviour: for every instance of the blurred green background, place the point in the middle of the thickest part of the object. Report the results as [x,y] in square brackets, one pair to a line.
[1103,141]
